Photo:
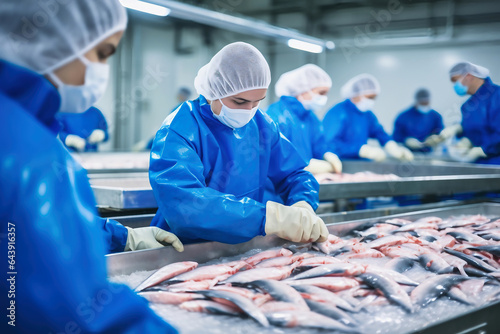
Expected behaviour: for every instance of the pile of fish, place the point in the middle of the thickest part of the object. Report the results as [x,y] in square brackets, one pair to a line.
[356,177]
[322,285]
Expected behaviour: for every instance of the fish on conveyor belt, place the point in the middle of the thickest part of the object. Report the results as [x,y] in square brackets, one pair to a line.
[329,283]
[391,290]
[307,319]
[282,260]
[471,260]
[435,263]
[400,264]
[394,275]
[423,223]
[165,297]
[331,311]
[388,240]
[209,306]
[433,288]
[275,306]
[166,272]
[492,249]
[244,304]
[204,273]
[322,295]
[317,261]
[280,292]
[268,254]
[336,269]
[261,273]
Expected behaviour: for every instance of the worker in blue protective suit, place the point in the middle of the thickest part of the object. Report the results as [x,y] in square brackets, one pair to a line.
[349,124]
[55,241]
[82,132]
[211,158]
[302,92]
[418,124]
[480,127]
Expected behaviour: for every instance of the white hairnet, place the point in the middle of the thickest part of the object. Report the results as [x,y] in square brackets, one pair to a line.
[422,95]
[237,67]
[363,84]
[469,68]
[301,80]
[45,35]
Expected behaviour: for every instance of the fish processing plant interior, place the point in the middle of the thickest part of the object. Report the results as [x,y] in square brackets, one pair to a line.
[262,166]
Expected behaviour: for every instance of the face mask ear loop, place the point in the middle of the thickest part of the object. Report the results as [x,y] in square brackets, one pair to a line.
[56,80]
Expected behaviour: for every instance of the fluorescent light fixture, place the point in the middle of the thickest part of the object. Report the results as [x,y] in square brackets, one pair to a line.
[242,25]
[145,7]
[304,46]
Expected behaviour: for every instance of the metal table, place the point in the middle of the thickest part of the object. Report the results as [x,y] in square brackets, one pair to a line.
[133,191]
[113,162]
[480,320]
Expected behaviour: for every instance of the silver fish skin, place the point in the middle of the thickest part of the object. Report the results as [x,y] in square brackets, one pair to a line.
[331,311]
[309,320]
[208,306]
[433,288]
[281,292]
[322,295]
[336,269]
[471,260]
[244,304]
[391,290]
[165,273]
[435,263]
[400,264]
[394,275]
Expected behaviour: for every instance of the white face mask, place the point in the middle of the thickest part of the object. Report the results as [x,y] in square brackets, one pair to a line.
[235,118]
[365,104]
[423,109]
[316,102]
[77,99]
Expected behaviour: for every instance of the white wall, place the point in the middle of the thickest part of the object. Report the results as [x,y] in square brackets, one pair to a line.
[400,72]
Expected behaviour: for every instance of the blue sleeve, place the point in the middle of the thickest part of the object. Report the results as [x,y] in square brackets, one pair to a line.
[62,283]
[399,134]
[439,124]
[63,131]
[491,136]
[287,173]
[377,130]
[192,209]
[336,138]
[115,235]
[318,141]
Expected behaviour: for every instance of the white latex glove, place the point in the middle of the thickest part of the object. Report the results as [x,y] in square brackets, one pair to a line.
[433,140]
[372,153]
[317,166]
[464,143]
[398,152]
[296,223]
[96,136]
[75,142]
[413,143]
[475,153]
[451,131]
[334,160]
[151,237]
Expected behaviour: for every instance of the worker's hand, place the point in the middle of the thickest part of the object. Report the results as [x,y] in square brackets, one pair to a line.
[433,140]
[413,143]
[96,136]
[372,153]
[151,237]
[76,142]
[317,166]
[398,152]
[297,223]
[464,143]
[451,131]
[475,153]
[334,160]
